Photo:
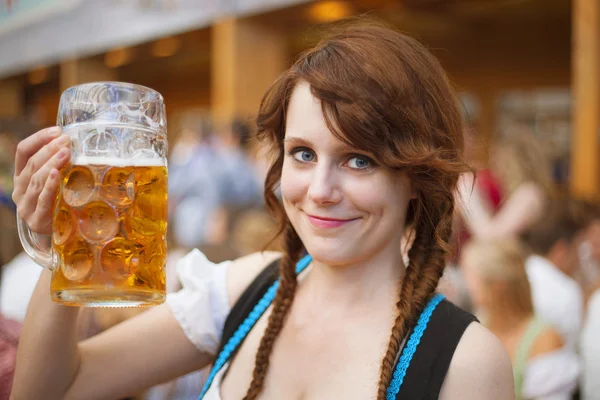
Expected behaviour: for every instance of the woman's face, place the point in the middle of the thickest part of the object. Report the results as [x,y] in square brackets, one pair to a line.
[345,208]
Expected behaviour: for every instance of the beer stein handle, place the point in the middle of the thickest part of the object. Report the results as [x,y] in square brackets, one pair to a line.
[32,245]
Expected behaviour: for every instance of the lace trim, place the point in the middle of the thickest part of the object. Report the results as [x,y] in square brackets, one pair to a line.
[411,347]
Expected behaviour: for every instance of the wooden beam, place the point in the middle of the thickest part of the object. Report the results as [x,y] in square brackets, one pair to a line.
[11,98]
[246,59]
[585,153]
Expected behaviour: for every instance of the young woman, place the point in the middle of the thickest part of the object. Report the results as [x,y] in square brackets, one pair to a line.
[368,140]
[495,273]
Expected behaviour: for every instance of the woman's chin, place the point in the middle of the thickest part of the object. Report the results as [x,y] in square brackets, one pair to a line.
[332,254]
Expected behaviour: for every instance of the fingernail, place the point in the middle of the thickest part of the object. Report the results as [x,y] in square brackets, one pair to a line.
[54,131]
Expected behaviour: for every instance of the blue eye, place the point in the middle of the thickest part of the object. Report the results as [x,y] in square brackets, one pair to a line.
[359,163]
[304,155]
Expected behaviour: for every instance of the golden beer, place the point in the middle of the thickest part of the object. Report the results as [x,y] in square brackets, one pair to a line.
[110,214]
[109,233]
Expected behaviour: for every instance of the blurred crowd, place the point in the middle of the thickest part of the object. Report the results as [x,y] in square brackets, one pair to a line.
[526,259]
[527,264]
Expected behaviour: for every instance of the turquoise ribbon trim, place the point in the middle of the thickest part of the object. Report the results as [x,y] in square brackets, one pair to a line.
[265,302]
[411,347]
[245,327]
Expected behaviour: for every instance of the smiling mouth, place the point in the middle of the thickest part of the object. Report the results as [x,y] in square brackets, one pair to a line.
[323,222]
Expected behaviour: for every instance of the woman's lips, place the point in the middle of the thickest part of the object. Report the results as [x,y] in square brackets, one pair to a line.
[323,222]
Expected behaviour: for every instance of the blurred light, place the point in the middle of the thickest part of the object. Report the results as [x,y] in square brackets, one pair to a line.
[37,75]
[166,47]
[328,11]
[118,57]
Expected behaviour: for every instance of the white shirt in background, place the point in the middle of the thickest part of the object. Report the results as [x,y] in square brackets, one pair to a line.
[19,278]
[590,350]
[557,298]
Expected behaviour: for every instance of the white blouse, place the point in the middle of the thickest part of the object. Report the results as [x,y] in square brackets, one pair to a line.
[201,306]
[551,376]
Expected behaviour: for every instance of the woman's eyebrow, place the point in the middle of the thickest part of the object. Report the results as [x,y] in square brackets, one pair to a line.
[297,141]
[341,148]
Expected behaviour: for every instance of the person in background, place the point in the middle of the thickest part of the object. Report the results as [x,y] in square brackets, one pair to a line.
[10,331]
[543,367]
[239,185]
[487,184]
[589,248]
[488,189]
[19,277]
[525,172]
[209,174]
[590,349]
[193,187]
[590,337]
[557,297]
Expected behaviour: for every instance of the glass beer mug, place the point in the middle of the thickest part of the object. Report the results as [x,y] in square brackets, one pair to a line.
[110,214]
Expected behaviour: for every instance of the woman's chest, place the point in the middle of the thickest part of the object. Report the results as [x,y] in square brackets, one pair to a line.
[325,360]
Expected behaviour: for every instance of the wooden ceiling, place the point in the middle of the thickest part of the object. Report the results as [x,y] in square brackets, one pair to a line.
[429,18]
[513,42]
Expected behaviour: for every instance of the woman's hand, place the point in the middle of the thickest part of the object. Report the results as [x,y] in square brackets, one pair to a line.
[37,178]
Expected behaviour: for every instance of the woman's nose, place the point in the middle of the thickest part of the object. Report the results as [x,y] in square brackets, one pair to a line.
[323,187]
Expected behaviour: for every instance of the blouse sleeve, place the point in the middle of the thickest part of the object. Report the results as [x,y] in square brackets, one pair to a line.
[551,376]
[202,305]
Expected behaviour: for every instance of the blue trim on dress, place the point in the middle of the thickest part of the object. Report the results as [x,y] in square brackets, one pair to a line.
[411,347]
[266,301]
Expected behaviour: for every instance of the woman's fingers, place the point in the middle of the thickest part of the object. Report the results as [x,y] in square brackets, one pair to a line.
[31,145]
[41,220]
[36,162]
[37,183]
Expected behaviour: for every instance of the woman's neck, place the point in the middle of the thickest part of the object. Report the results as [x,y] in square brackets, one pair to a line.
[354,286]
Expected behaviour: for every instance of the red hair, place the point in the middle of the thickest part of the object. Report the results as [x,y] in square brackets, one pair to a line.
[382,92]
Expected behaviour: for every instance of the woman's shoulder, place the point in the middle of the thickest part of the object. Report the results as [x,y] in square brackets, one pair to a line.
[244,270]
[480,368]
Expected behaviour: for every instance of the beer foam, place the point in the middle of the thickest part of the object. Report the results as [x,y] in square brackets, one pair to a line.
[119,162]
